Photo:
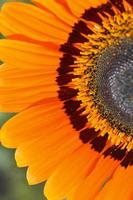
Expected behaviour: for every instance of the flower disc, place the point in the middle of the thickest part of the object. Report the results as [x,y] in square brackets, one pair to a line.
[104,74]
[114,80]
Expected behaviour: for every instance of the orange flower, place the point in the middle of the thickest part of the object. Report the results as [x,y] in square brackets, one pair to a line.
[68,73]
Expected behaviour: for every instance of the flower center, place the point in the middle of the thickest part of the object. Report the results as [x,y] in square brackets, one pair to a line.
[97,63]
[114,80]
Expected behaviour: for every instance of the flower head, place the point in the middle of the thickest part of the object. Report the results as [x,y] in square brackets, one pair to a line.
[68,71]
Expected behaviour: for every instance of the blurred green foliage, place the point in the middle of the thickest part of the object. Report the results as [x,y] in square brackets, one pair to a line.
[4,117]
[13,183]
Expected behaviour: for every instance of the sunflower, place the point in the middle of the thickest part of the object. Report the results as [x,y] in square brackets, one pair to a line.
[68,72]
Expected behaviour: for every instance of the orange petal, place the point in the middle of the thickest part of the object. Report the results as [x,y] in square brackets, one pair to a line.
[78,7]
[29,74]
[15,78]
[19,46]
[20,88]
[119,187]
[26,19]
[49,138]
[70,173]
[15,100]
[12,51]
[53,155]
[95,180]
[19,78]
[32,123]
[59,9]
